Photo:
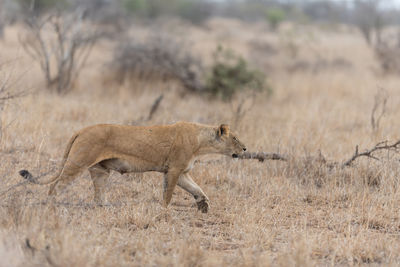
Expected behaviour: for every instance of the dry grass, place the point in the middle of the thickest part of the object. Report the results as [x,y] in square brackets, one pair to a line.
[272,213]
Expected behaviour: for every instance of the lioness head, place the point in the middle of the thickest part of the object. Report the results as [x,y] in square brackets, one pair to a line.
[227,142]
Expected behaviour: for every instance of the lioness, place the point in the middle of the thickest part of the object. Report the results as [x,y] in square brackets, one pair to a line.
[170,149]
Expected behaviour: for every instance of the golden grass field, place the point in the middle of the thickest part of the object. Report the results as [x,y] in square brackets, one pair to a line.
[295,213]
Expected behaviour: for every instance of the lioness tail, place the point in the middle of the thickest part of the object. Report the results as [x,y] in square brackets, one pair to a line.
[27,176]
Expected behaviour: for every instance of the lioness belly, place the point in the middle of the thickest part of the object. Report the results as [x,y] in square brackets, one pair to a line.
[126,166]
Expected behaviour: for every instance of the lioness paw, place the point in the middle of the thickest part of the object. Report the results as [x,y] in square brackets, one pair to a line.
[203,205]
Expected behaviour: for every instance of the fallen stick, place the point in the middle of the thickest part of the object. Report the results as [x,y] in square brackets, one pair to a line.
[261,156]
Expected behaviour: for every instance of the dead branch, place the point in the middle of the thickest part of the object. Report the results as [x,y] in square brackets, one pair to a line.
[368,153]
[380,100]
[7,92]
[61,45]
[384,145]
[9,96]
[245,104]
[155,106]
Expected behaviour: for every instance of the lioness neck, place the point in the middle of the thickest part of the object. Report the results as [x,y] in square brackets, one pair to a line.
[206,138]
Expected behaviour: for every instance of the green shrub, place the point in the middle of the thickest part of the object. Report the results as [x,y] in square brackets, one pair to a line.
[147,8]
[230,73]
[40,6]
[135,6]
[192,10]
[275,16]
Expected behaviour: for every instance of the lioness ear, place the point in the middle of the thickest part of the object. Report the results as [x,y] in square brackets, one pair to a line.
[223,130]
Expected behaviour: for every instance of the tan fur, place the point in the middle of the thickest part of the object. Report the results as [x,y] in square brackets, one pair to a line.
[170,149]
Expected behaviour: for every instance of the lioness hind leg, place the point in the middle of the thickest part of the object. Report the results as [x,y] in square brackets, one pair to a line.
[99,177]
[187,183]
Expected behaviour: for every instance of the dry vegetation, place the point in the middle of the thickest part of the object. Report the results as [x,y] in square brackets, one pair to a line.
[300,212]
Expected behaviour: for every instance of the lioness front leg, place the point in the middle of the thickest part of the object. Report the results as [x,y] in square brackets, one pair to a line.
[187,183]
[170,180]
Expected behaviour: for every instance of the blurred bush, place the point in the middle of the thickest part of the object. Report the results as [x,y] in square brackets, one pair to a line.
[369,19]
[230,74]
[162,57]
[388,55]
[195,11]
[158,56]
